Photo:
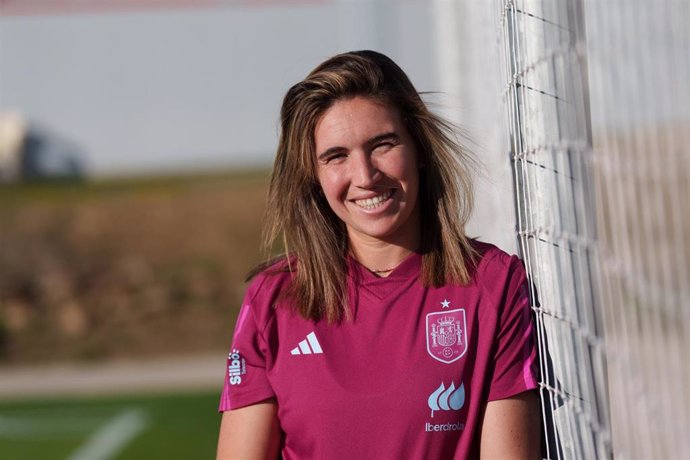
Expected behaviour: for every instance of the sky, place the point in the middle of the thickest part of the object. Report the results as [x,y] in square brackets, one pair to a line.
[165,89]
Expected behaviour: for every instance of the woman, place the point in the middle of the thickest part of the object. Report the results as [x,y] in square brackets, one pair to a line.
[384,331]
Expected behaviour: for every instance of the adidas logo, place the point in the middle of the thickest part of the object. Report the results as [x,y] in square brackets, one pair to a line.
[308,346]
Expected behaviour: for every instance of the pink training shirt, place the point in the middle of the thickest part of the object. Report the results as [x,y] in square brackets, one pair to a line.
[407,378]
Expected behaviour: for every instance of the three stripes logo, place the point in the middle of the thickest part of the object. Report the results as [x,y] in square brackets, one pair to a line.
[308,346]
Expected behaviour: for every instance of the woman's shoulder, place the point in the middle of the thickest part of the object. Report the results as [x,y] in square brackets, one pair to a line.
[494,263]
[267,281]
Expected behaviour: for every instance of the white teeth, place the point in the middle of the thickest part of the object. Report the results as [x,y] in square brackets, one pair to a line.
[370,203]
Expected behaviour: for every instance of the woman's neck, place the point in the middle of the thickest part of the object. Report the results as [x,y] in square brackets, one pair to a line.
[380,257]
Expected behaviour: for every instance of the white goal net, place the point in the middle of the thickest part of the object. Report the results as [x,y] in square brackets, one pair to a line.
[598,109]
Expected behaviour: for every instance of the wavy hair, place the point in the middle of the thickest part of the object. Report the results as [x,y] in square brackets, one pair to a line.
[314,238]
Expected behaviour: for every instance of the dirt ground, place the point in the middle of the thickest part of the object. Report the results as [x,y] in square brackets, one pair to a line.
[145,268]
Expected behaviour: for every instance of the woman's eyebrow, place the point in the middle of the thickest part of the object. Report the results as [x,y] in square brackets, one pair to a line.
[390,136]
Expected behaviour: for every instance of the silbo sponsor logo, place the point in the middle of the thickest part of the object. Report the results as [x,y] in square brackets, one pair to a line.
[236,367]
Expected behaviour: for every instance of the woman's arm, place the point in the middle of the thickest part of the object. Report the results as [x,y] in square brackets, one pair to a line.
[251,432]
[511,428]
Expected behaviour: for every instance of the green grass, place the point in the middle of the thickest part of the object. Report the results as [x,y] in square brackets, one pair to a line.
[57,191]
[181,426]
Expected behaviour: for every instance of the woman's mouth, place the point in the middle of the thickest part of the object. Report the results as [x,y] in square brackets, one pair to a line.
[371,203]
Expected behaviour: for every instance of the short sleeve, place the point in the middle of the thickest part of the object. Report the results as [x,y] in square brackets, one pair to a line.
[246,379]
[515,366]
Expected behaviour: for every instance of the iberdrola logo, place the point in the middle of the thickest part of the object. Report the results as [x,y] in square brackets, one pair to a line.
[450,398]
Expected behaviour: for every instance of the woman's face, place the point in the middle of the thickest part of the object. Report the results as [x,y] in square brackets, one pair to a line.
[368,168]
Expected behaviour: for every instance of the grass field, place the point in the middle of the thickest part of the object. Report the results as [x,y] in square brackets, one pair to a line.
[175,426]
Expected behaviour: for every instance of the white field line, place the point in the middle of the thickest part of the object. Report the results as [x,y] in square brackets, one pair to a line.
[112,437]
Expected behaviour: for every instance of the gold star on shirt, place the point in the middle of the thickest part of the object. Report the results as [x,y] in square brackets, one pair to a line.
[445,303]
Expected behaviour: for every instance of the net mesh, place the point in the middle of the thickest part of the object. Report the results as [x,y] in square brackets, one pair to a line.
[598,109]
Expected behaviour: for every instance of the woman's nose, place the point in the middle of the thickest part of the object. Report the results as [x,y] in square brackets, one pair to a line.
[365,173]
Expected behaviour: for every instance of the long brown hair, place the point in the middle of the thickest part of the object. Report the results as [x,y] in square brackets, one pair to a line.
[314,238]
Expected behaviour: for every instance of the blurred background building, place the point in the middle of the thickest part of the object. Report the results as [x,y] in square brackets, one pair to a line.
[29,153]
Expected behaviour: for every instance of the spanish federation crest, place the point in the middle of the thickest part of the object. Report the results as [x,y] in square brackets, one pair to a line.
[446,333]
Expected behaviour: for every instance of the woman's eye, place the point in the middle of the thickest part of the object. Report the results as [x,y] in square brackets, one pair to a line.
[334,157]
[384,146]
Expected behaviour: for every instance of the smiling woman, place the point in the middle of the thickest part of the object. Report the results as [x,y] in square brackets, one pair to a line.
[371,194]
[369,173]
